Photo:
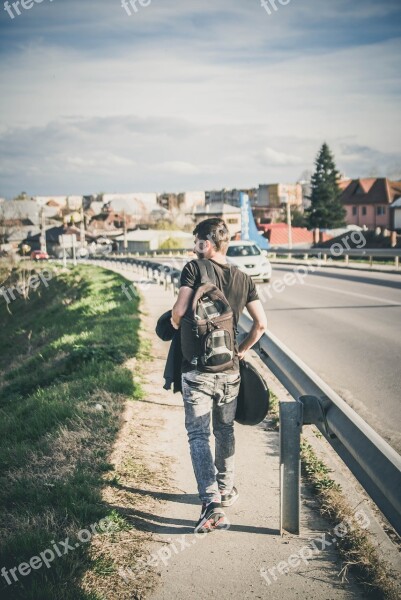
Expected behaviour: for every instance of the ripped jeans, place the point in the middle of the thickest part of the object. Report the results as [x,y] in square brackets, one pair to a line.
[215,393]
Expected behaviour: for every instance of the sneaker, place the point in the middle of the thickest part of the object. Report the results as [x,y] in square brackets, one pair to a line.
[229,499]
[212,517]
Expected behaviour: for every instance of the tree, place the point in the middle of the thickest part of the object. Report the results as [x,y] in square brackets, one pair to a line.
[22,196]
[171,243]
[326,210]
[297,218]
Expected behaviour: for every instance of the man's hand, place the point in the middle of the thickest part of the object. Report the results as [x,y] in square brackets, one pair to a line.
[241,354]
[174,324]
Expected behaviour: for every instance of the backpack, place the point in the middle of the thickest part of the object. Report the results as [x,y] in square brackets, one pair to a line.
[208,329]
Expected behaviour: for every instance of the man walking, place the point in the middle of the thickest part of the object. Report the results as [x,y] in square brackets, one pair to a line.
[206,393]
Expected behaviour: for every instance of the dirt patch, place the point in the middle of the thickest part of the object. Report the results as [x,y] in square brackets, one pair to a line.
[133,488]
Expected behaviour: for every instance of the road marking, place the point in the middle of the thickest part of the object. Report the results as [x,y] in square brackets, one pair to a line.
[332,289]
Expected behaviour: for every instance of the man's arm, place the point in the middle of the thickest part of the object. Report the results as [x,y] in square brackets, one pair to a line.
[259,326]
[181,306]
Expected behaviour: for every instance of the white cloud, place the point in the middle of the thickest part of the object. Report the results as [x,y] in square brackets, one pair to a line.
[179,167]
[272,157]
[184,94]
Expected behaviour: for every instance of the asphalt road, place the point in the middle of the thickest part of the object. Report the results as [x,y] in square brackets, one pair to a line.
[346,326]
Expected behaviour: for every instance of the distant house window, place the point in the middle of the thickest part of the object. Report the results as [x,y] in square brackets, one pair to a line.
[363,210]
[354,211]
[380,210]
[232,221]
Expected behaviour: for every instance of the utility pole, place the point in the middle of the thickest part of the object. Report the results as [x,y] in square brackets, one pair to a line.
[42,231]
[125,233]
[82,229]
[286,200]
[289,225]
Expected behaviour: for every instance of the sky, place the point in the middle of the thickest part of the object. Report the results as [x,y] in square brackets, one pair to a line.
[195,95]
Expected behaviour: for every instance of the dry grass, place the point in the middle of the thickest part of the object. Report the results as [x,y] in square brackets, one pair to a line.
[358,554]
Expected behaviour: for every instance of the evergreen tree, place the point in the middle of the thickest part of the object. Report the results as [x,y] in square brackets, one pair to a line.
[326,210]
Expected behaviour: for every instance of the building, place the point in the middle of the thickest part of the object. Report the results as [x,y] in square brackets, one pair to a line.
[230,214]
[395,209]
[187,201]
[267,204]
[368,201]
[152,239]
[63,202]
[52,239]
[277,234]
[225,196]
[131,203]
[168,201]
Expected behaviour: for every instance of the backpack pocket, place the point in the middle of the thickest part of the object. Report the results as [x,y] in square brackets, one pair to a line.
[217,348]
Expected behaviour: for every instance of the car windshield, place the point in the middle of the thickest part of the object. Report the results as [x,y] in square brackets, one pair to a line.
[244,250]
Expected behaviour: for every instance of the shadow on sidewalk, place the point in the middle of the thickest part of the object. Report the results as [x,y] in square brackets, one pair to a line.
[181,498]
[145,521]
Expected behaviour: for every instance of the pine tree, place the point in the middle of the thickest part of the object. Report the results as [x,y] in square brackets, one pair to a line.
[326,210]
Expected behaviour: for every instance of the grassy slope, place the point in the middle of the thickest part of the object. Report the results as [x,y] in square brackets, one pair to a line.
[62,353]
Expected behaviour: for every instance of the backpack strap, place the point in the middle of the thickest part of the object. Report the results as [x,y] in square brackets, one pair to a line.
[206,272]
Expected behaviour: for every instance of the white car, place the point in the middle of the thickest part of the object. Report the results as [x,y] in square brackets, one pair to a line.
[248,257]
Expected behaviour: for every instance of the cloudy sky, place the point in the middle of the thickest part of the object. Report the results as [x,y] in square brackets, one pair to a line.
[186,95]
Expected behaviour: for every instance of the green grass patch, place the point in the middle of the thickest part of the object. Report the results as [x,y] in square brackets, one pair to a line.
[62,392]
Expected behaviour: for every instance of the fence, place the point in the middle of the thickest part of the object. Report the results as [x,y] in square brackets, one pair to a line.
[372,461]
[323,254]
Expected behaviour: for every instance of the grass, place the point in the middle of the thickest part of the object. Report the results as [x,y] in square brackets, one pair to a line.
[355,548]
[62,392]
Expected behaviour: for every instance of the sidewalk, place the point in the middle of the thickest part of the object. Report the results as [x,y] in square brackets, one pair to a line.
[227,564]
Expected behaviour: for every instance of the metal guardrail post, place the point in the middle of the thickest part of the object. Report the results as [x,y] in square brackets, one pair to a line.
[290,466]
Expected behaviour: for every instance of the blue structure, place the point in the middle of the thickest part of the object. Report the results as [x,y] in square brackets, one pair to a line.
[249,230]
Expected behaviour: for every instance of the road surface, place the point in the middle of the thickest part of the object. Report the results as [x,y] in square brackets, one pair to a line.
[346,326]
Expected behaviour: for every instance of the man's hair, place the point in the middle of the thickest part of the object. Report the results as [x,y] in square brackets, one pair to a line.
[216,231]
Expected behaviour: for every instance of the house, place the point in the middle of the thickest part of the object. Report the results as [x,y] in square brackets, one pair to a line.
[267,204]
[168,201]
[107,222]
[395,214]
[367,201]
[25,209]
[151,239]
[20,219]
[187,201]
[52,239]
[230,214]
[225,196]
[63,202]
[277,234]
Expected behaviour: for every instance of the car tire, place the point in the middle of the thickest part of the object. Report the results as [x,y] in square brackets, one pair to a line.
[266,280]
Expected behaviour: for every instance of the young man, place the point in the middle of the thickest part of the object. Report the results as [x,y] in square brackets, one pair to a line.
[216,393]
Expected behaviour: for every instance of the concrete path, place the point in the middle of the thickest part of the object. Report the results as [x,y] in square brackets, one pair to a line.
[250,559]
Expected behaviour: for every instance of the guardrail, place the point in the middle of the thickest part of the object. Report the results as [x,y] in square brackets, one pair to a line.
[323,254]
[372,461]
[340,253]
